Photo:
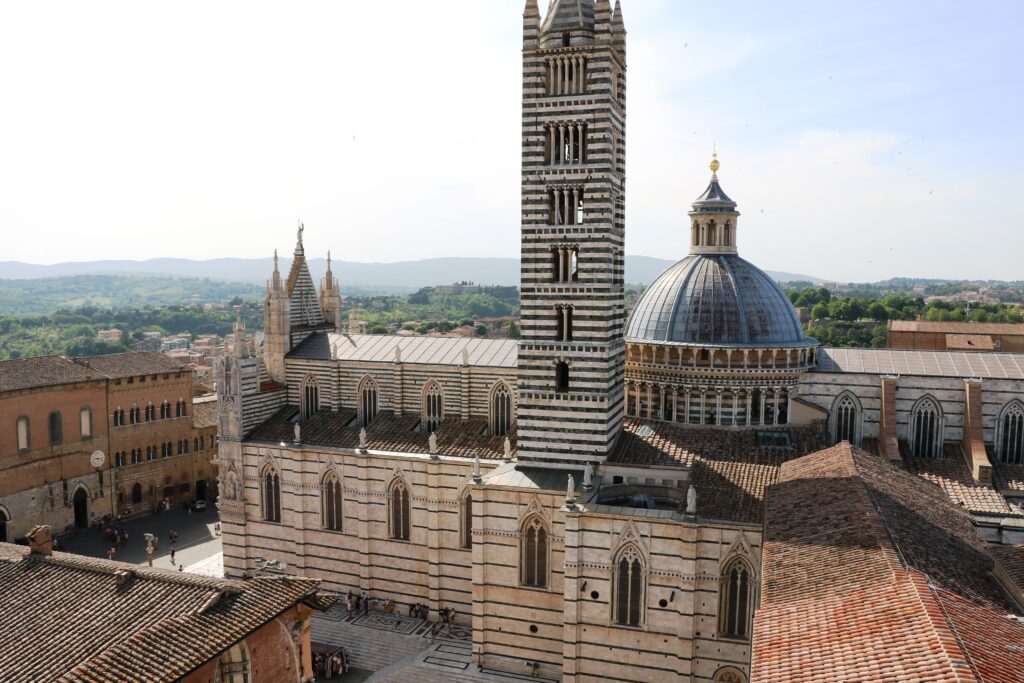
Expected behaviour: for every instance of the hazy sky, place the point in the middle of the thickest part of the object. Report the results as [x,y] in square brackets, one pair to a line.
[862,140]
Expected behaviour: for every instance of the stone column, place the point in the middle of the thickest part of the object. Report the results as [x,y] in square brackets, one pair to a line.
[688,392]
[735,405]
[661,404]
[749,399]
[703,405]
[554,146]
[718,407]
[565,323]
[675,404]
[650,402]
[561,145]
[572,141]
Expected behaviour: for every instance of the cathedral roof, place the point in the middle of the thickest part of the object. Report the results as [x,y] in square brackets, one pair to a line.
[713,197]
[716,300]
[965,364]
[381,348]
[305,303]
[854,548]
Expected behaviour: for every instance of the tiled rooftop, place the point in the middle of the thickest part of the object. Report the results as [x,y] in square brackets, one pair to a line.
[872,574]
[42,371]
[1008,478]
[949,327]
[729,468]
[966,364]
[953,476]
[387,432]
[132,363]
[378,348]
[204,412]
[66,617]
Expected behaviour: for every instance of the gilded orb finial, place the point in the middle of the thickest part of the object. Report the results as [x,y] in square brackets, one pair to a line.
[714,160]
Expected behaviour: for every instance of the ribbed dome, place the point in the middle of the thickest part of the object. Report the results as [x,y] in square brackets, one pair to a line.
[716,300]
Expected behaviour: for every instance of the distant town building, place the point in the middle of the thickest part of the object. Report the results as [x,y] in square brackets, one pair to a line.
[955,336]
[134,409]
[111,335]
[132,623]
[458,288]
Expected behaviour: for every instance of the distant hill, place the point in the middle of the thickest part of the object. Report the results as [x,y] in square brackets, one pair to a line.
[392,277]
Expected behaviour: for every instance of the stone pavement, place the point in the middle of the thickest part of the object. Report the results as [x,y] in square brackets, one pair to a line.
[400,648]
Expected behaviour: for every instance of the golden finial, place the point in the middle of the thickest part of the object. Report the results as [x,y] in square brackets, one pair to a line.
[714,160]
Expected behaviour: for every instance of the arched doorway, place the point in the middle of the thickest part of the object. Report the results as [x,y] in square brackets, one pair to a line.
[81,501]
[201,489]
[3,525]
[137,493]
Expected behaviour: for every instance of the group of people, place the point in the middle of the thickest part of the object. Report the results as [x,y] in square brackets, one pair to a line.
[356,603]
[117,534]
[419,611]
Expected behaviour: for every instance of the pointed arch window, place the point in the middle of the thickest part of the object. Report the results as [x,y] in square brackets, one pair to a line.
[534,553]
[501,410]
[629,584]
[926,429]
[271,495]
[310,397]
[466,528]
[330,499]
[846,419]
[1011,434]
[736,597]
[367,401]
[24,433]
[433,406]
[399,516]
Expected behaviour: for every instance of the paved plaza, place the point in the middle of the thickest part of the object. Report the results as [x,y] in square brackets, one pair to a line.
[198,546]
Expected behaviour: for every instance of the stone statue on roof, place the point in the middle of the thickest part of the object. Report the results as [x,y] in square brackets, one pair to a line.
[588,477]
[362,437]
[432,443]
[691,500]
[508,449]
[298,433]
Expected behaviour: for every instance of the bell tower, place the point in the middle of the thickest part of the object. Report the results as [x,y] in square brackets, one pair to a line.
[573,230]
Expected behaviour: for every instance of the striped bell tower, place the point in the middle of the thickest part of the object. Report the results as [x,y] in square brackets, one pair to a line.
[571,354]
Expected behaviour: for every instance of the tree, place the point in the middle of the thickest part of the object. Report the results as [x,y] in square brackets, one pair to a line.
[512,330]
[819,312]
[845,309]
[877,311]
[481,330]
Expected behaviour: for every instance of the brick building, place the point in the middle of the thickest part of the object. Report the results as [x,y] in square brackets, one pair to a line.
[73,618]
[955,336]
[135,409]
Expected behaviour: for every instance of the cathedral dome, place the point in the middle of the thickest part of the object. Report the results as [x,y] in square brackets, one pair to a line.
[716,300]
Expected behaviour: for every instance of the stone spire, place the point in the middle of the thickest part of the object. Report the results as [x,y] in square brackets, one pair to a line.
[568,23]
[618,29]
[276,325]
[713,218]
[330,297]
[240,349]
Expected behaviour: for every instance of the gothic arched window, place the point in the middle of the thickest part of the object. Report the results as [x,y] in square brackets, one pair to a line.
[310,397]
[466,528]
[24,434]
[399,517]
[735,600]
[367,401]
[233,666]
[271,495]
[501,409]
[845,419]
[330,500]
[926,429]
[433,406]
[629,587]
[1011,434]
[534,553]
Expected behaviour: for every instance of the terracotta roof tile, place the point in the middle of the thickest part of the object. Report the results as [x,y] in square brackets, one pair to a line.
[42,371]
[131,363]
[952,475]
[204,413]
[66,617]
[872,574]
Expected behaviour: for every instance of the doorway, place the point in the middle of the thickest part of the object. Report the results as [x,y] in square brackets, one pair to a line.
[201,489]
[81,501]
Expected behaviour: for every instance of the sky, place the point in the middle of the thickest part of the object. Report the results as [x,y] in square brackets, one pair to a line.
[861,140]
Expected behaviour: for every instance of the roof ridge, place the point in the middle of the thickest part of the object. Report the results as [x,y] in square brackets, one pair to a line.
[927,594]
[111,567]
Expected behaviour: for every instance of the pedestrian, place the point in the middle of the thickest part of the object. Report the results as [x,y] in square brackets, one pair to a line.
[450,619]
[188,510]
[366,604]
[181,567]
[111,554]
[412,608]
[172,556]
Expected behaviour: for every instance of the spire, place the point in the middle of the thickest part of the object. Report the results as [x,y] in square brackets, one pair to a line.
[329,263]
[602,21]
[568,22]
[275,280]
[618,29]
[531,25]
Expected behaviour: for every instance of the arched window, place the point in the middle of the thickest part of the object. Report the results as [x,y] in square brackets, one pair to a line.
[367,401]
[85,422]
[726,234]
[1011,434]
[271,495]
[730,674]
[233,666]
[735,600]
[56,429]
[118,417]
[165,410]
[433,406]
[534,553]
[24,434]
[926,429]
[119,459]
[629,587]
[846,419]
[150,412]
[4,519]
[310,397]
[466,529]
[398,500]
[137,493]
[330,501]
[501,409]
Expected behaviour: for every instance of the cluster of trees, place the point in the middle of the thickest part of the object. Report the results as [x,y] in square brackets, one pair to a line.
[825,305]
[442,312]
[74,331]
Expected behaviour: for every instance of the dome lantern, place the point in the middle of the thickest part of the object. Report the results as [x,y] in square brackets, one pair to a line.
[713,218]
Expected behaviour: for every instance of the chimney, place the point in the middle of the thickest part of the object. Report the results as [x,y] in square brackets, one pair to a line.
[40,540]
